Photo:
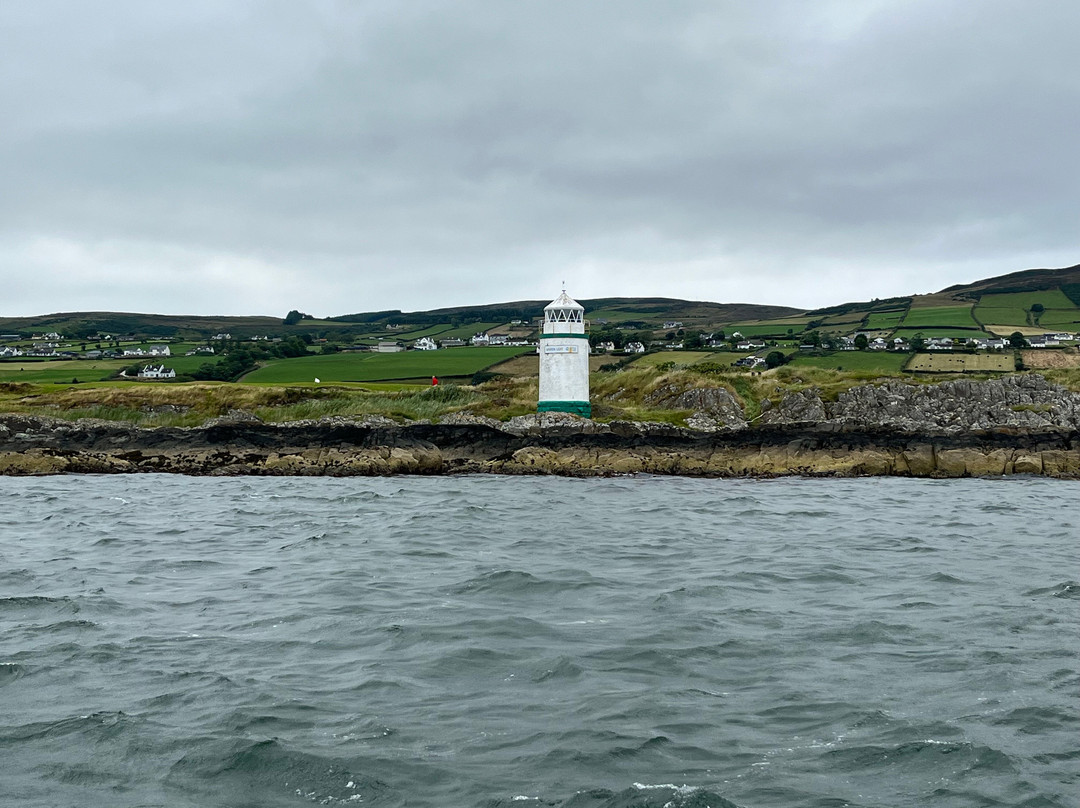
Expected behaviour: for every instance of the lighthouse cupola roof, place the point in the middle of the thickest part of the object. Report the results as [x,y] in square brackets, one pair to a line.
[564,301]
[564,309]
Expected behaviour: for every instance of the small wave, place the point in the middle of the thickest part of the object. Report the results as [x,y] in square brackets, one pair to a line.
[1065,589]
[318,537]
[96,726]
[268,772]
[10,671]
[924,756]
[1038,720]
[19,576]
[20,603]
[945,578]
[59,628]
[514,582]
[563,669]
[639,795]
[870,632]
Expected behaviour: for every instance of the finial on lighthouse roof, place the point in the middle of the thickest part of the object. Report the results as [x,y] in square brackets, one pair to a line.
[564,301]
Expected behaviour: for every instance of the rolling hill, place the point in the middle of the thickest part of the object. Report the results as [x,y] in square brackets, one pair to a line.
[1031,299]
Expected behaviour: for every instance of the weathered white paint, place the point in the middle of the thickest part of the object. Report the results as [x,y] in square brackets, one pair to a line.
[564,352]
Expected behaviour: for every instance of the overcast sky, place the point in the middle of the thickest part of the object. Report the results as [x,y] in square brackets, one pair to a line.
[235,157]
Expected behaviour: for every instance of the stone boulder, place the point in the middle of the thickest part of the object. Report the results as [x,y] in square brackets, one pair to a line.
[714,408]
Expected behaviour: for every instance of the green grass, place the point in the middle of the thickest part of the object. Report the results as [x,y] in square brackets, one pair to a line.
[58,371]
[1014,309]
[1050,299]
[415,403]
[617,316]
[1002,316]
[884,321]
[1060,320]
[363,367]
[416,333]
[955,333]
[842,324]
[466,331]
[763,329]
[937,316]
[882,361]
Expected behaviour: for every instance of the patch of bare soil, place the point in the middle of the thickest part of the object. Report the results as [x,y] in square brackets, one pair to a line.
[1051,358]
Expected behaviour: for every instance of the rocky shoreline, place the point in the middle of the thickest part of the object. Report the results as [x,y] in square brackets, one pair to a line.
[1016,425]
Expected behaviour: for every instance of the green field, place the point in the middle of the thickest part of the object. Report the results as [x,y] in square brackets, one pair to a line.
[1060,320]
[955,333]
[369,367]
[882,361]
[764,329]
[955,316]
[1002,316]
[59,371]
[614,316]
[1050,299]
[415,333]
[91,370]
[884,320]
[1014,308]
[466,331]
[853,318]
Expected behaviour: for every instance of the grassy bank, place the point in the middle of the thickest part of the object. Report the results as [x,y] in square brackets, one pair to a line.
[631,394]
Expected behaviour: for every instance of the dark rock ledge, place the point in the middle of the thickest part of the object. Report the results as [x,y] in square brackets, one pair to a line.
[542,444]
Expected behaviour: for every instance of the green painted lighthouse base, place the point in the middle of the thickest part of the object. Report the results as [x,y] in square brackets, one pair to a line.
[582,408]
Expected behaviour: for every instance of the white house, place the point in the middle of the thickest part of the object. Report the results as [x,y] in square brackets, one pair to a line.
[634,347]
[751,362]
[386,346]
[10,351]
[672,324]
[157,372]
[480,339]
[425,344]
[452,342]
[158,350]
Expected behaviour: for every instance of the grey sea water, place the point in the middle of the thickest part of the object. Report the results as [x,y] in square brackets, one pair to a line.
[498,641]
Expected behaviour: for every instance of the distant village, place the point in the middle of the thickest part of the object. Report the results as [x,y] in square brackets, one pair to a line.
[152,358]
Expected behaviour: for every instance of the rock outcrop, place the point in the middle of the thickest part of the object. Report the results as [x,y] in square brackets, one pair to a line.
[1017,425]
[1026,401]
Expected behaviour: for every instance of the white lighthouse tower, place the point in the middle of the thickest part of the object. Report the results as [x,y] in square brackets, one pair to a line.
[564,358]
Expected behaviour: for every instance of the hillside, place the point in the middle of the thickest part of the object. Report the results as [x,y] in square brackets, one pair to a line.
[1028,280]
[649,312]
[978,327]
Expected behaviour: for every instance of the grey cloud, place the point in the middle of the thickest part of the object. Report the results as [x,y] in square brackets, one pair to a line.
[373,155]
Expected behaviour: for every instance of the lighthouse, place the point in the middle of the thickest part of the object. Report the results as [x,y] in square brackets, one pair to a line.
[564,358]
